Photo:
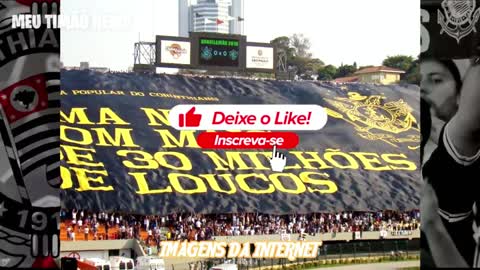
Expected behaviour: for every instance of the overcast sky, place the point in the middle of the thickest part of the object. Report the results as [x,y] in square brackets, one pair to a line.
[340,31]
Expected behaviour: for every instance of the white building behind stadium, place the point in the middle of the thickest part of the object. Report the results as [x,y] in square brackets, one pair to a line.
[219,16]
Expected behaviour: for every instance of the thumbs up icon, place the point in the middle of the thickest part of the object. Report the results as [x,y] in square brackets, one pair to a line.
[190,119]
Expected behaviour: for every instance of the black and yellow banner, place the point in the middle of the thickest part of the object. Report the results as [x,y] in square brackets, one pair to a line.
[119,152]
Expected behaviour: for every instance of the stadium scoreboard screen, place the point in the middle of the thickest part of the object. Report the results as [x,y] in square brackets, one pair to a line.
[219,52]
[214,51]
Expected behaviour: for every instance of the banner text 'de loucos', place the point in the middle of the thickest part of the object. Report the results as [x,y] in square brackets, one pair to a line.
[119,151]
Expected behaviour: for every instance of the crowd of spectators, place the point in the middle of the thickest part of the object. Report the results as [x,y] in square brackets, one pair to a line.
[206,227]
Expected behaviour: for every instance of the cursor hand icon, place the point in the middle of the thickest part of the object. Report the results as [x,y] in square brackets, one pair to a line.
[278,160]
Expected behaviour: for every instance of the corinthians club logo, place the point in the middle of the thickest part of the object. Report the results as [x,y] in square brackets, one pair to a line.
[459,19]
[376,120]
[29,102]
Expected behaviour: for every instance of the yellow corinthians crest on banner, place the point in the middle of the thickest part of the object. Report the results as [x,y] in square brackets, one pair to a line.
[374,119]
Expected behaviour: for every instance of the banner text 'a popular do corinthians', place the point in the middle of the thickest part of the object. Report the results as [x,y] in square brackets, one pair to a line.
[119,152]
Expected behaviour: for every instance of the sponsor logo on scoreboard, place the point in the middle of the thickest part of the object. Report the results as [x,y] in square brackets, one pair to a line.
[259,57]
[175,52]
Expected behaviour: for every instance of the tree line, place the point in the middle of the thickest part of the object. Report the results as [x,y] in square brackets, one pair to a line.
[301,61]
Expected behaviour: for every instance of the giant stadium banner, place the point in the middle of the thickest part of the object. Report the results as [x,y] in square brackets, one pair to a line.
[119,152]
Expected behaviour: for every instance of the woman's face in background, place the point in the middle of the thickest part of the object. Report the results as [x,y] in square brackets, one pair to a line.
[439,89]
